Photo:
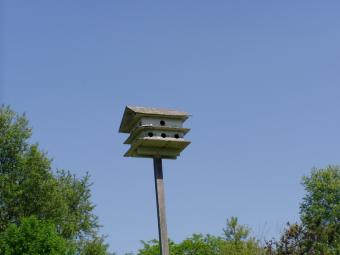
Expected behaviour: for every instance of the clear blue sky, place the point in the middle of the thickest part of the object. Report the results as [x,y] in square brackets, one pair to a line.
[261,79]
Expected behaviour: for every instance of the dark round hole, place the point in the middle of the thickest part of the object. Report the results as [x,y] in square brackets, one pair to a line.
[150,134]
[176,136]
[163,135]
[162,122]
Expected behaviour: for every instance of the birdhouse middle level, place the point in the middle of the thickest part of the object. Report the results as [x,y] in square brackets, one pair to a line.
[154,132]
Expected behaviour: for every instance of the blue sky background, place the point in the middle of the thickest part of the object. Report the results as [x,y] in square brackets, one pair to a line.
[261,79]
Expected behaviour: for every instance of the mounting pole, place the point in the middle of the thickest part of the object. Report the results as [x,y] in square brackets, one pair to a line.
[160,199]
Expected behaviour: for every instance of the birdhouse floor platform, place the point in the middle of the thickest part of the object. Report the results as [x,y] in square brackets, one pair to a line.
[149,147]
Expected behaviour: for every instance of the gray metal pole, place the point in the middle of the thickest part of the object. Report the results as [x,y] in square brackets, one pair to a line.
[160,198]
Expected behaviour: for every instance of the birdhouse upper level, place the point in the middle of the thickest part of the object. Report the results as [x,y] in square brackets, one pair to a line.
[154,132]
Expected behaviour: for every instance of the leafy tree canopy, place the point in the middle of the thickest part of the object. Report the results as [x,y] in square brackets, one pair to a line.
[34,237]
[235,241]
[320,209]
[28,186]
[319,230]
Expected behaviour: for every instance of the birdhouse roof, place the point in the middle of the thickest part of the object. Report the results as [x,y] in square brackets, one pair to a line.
[132,114]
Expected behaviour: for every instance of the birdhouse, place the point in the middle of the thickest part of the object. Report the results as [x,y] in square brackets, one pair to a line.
[154,132]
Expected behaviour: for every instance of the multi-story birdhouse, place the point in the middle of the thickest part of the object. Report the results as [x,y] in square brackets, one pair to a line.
[154,132]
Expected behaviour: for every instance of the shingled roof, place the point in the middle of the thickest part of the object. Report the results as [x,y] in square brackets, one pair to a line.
[133,113]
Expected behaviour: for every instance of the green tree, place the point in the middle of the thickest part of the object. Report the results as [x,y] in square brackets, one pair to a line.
[238,240]
[93,246]
[320,210]
[152,247]
[292,241]
[319,230]
[34,237]
[234,232]
[28,186]
[199,244]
